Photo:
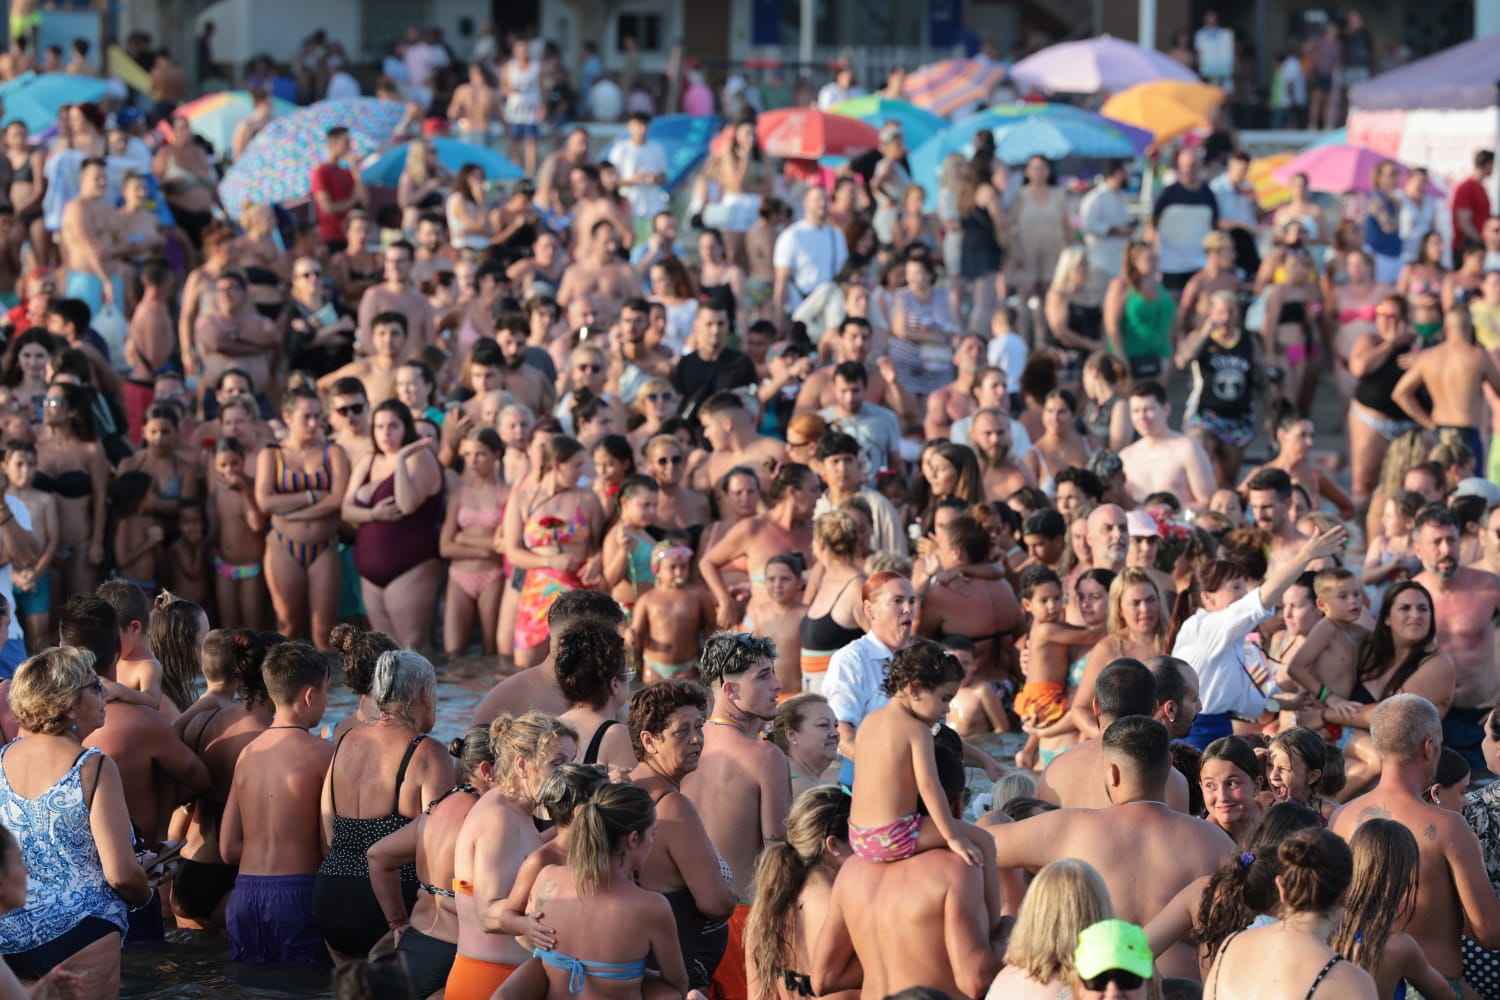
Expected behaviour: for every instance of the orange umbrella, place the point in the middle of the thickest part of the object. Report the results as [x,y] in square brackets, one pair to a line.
[1270,193]
[1166,108]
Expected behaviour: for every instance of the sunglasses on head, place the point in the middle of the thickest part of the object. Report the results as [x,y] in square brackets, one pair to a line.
[1121,978]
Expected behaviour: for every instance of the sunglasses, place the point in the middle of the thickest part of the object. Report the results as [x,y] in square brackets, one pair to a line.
[664,460]
[352,410]
[1121,978]
[593,369]
[660,397]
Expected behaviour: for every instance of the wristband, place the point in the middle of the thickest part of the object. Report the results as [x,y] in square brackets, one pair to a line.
[1323,693]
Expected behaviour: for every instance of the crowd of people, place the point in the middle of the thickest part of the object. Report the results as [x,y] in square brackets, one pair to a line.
[747,498]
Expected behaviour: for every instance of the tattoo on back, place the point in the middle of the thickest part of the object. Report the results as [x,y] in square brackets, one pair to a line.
[1373,812]
[1431,832]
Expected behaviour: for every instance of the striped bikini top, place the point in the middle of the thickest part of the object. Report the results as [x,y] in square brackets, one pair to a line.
[291,481]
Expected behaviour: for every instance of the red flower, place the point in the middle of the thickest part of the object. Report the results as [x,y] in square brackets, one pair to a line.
[550,523]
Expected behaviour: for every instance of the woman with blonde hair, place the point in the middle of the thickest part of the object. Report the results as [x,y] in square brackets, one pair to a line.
[789,897]
[807,732]
[1407,451]
[1137,629]
[1074,319]
[1064,898]
[423,180]
[655,404]
[835,613]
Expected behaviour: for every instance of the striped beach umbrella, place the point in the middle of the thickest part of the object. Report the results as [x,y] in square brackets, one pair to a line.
[946,87]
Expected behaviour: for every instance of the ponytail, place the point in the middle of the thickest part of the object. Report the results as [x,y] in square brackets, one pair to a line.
[1184,607]
[599,830]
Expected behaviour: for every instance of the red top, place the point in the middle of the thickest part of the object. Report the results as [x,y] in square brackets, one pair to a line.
[1471,195]
[338,183]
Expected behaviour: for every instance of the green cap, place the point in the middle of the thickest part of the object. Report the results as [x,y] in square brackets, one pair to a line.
[1113,944]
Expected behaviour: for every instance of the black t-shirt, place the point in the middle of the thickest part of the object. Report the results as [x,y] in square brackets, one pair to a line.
[698,379]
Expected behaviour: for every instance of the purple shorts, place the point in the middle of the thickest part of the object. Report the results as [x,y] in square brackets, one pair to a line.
[270,920]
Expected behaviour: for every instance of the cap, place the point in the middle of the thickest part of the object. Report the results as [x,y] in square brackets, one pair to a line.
[126,117]
[1142,525]
[1113,944]
[1218,240]
[1476,487]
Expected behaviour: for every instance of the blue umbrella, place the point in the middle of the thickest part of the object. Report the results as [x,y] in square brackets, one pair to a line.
[685,140]
[1055,137]
[1338,137]
[36,99]
[917,124]
[384,169]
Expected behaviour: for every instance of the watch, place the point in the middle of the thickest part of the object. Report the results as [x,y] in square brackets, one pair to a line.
[1272,705]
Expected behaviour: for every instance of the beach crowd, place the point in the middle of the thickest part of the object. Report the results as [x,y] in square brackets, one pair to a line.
[773,505]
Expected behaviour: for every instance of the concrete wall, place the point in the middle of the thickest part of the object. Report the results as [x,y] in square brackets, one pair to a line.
[245,28]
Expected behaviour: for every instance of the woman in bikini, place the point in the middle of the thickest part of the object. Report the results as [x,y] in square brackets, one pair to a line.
[198,290]
[356,268]
[176,481]
[24,370]
[553,530]
[677,507]
[28,186]
[1428,268]
[300,484]
[1353,306]
[594,675]
[743,179]
[395,501]
[476,574]
[835,613]
[1290,331]
[70,464]
[1060,445]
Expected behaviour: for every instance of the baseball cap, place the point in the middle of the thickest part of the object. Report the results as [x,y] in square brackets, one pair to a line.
[1142,525]
[1218,240]
[1476,487]
[1110,945]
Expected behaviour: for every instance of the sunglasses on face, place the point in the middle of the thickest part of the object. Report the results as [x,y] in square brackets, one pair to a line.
[1121,978]
[352,410]
[592,369]
[669,460]
[660,397]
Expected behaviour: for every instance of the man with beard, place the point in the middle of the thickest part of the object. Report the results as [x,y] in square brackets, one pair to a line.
[433,252]
[854,342]
[955,400]
[599,272]
[1109,537]
[712,366]
[636,361]
[1270,502]
[742,786]
[396,294]
[1464,604]
[875,427]
[990,436]
[1177,701]
[523,380]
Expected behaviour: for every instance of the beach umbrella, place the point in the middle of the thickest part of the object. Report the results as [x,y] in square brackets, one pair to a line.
[1334,169]
[1166,108]
[917,124]
[807,133]
[946,87]
[1270,193]
[684,138]
[1336,137]
[214,117]
[384,169]
[1104,63]
[277,165]
[1056,136]
[35,99]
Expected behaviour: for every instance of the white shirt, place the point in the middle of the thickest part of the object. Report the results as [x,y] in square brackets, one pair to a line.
[1293,83]
[645,200]
[876,429]
[832,94]
[1101,210]
[853,682]
[1214,643]
[1235,205]
[23,519]
[1215,48]
[1009,353]
[887,533]
[1414,222]
[814,254]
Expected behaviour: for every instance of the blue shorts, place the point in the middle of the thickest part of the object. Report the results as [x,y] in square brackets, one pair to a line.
[269,920]
[519,132]
[35,602]
[88,287]
[12,655]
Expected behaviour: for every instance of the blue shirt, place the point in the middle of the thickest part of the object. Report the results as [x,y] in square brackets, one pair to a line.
[1377,240]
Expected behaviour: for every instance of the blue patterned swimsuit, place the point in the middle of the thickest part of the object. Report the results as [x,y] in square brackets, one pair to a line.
[67,883]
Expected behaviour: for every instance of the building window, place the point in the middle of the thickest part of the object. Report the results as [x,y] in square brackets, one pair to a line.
[386,21]
[644,28]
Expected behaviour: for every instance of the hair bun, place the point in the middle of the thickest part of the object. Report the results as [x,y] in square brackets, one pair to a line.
[342,636]
[164,600]
[456,747]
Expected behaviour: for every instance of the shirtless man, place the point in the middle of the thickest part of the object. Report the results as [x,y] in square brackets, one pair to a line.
[1465,601]
[156,768]
[475,108]
[527,383]
[236,336]
[785,527]
[1270,492]
[153,335]
[972,598]
[262,113]
[730,432]
[1164,460]
[536,688]
[433,252]
[990,437]
[592,206]
[1177,700]
[1454,895]
[90,224]
[1075,779]
[349,417]
[1218,275]
[599,272]
[396,294]
[854,341]
[743,785]
[554,190]
[1454,373]
[1145,851]
[636,361]
[916,923]
[378,371]
[1109,537]
[954,401]
[272,826]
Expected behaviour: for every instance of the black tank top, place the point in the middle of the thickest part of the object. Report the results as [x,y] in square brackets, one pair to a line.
[823,633]
[1222,379]
[1373,391]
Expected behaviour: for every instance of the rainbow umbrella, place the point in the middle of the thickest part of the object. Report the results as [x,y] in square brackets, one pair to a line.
[685,140]
[384,169]
[214,117]
[277,166]
[946,87]
[1270,193]
[917,125]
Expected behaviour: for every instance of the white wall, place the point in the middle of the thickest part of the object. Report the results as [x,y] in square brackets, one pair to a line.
[446,14]
[245,28]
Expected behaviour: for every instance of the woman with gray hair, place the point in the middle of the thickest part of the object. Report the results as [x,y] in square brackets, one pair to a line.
[66,807]
[381,776]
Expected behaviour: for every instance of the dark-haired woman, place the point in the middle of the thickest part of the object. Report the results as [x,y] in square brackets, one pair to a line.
[428,939]
[594,675]
[24,370]
[476,572]
[1292,957]
[1400,656]
[70,464]
[175,481]
[793,882]
[234,710]
[1230,776]
[1060,446]
[395,500]
[319,332]
[359,650]
[300,485]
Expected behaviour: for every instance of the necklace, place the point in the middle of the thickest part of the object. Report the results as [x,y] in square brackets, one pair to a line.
[303,728]
[721,720]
